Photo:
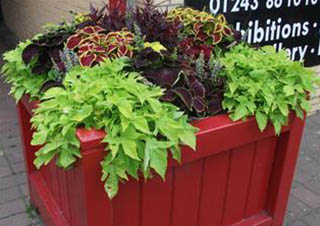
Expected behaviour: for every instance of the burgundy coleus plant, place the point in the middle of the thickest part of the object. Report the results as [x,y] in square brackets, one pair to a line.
[93,45]
[211,30]
[191,48]
[199,97]
[201,32]
[187,91]
[45,49]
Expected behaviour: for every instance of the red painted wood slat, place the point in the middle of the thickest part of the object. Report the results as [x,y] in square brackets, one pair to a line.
[260,178]
[76,190]
[157,200]
[54,181]
[238,183]
[90,206]
[127,203]
[213,189]
[94,194]
[187,182]
[262,219]
[63,192]
[46,204]
[283,171]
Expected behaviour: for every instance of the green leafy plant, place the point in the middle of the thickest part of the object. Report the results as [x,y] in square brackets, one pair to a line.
[266,84]
[19,75]
[140,129]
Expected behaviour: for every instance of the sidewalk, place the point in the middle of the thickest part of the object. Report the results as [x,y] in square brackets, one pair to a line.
[304,203]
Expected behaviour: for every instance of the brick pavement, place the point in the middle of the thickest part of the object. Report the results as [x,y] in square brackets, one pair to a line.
[304,203]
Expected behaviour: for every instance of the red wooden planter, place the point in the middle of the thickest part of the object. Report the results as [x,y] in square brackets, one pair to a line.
[238,176]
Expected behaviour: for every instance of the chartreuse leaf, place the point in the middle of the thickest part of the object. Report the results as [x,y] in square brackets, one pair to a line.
[266,84]
[130,148]
[140,129]
[158,161]
[112,184]
[187,137]
[262,120]
[82,113]
[141,124]
[39,137]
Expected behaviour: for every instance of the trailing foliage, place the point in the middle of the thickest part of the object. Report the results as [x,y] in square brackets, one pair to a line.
[266,84]
[140,129]
[19,75]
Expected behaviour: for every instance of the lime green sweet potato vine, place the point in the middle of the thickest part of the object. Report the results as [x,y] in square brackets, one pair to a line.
[266,84]
[19,75]
[140,129]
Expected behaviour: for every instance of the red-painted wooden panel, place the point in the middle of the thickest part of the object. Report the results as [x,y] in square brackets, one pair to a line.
[157,201]
[262,219]
[259,184]
[185,196]
[283,171]
[128,203]
[53,185]
[97,206]
[49,209]
[238,184]
[213,189]
[187,183]
[78,214]
[64,192]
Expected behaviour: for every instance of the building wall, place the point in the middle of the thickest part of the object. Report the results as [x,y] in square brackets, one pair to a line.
[26,17]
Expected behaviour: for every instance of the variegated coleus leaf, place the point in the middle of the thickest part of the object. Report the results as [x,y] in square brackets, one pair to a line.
[93,46]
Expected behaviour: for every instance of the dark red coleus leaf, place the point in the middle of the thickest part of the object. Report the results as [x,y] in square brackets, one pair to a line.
[122,50]
[237,35]
[164,77]
[29,53]
[207,51]
[198,89]
[111,48]
[199,104]
[197,27]
[74,41]
[87,60]
[227,31]
[85,48]
[217,38]
[201,36]
[215,106]
[168,96]
[92,29]
[185,95]
[99,49]
[54,53]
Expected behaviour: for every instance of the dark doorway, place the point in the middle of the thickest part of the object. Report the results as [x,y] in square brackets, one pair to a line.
[1,17]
